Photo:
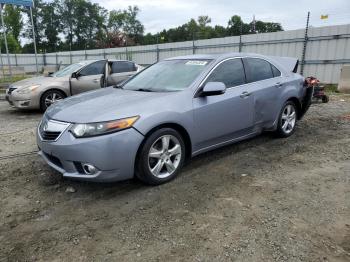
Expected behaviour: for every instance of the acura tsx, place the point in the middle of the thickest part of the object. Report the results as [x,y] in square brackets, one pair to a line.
[173,110]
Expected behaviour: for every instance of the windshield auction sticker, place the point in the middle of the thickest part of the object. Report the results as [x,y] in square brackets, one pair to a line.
[196,62]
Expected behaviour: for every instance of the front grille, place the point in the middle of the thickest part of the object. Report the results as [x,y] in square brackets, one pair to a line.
[11,89]
[50,130]
[47,135]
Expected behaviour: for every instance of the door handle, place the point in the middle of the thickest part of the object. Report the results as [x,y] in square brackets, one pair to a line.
[96,80]
[245,94]
[278,85]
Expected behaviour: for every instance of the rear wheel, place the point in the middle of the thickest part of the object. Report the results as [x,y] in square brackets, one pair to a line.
[287,120]
[325,99]
[50,97]
[161,157]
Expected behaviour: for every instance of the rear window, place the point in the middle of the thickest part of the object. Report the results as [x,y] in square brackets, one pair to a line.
[257,69]
[123,66]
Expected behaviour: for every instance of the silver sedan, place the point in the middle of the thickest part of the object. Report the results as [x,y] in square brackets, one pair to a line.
[169,112]
[41,92]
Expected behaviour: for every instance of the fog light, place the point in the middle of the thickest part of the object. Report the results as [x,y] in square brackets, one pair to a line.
[24,103]
[89,169]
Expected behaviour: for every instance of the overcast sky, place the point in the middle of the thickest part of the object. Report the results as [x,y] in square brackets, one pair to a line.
[159,14]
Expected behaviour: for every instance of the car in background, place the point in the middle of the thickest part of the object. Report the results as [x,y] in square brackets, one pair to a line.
[175,109]
[43,91]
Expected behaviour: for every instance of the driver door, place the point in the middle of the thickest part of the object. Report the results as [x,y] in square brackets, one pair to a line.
[89,78]
[221,118]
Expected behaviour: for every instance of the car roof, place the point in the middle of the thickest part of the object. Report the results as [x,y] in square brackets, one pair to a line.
[217,56]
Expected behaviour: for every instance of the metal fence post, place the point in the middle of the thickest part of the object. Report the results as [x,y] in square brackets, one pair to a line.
[56,61]
[2,64]
[34,40]
[240,39]
[306,38]
[157,53]
[16,62]
[5,38]
[193,46]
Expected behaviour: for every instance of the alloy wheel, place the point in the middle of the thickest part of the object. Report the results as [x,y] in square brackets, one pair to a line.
[164,156]
[288,119]
[52,98]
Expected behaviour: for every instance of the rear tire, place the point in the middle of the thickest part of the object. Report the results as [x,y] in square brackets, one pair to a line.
[325,99]
[50,97]
[160,157]
[287,120]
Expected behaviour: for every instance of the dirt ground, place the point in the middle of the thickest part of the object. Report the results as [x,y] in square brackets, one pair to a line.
[265,199]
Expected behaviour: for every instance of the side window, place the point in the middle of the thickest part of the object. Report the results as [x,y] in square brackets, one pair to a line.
[230,72]
[95,68]
[275,71]
[257,69]
[123,66]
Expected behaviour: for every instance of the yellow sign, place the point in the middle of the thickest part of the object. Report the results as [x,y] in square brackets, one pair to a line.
[324,16]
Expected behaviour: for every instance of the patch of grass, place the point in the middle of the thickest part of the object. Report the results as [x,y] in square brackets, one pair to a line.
[7,79]
[331,88]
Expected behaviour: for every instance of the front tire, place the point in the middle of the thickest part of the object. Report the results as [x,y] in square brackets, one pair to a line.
[50,97]
[161,157]
[287,120]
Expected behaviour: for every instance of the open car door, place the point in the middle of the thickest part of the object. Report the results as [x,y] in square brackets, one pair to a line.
[90,77]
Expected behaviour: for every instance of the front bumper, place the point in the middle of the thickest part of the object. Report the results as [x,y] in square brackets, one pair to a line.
[21,101]
[113,155]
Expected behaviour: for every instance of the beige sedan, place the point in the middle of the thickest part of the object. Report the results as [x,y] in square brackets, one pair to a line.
[41,92]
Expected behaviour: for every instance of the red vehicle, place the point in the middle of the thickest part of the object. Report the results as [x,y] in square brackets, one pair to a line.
[319,93]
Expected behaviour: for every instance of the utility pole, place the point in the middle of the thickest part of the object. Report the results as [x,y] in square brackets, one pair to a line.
[5,38]
[34,40]
[306,38]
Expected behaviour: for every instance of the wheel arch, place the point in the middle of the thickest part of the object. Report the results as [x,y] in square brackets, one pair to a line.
[52,89]
[179,128]
[298,105]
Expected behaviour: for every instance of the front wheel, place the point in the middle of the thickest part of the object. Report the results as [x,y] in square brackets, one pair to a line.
[160,157]
[50,97]
[287,120]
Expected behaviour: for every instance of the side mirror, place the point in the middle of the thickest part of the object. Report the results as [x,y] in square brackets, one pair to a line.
[75,75]
[213,89]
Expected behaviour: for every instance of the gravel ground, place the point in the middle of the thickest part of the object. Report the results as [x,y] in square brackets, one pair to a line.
[265,199]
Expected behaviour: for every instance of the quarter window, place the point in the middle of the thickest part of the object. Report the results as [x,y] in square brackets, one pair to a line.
[123,66]
[275,71]
[230,72]
[257,69]
[96,68]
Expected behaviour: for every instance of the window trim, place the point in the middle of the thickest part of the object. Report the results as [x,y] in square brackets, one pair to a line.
[131,62]
[200,86]
[104,73]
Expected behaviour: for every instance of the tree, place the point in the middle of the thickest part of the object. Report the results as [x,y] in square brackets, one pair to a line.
[203,20]
[51,20]
[132,26]
[13,20]
[12,43]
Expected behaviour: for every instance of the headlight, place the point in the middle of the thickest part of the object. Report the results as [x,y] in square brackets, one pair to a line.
[27,89]
[95,129]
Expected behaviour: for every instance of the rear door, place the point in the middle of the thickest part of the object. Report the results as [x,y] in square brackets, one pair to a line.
[267,84]
[221,118]
[120,71]
[89,78]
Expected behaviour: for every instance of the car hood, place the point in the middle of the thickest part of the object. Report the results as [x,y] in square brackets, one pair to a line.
[39,80]
[108,104]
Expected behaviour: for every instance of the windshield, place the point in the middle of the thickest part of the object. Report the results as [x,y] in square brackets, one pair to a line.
[167,76]
[68,70]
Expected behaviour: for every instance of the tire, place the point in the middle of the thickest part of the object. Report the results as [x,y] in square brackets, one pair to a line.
[160,157]
[287,120]
[325,99]
[53,95]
